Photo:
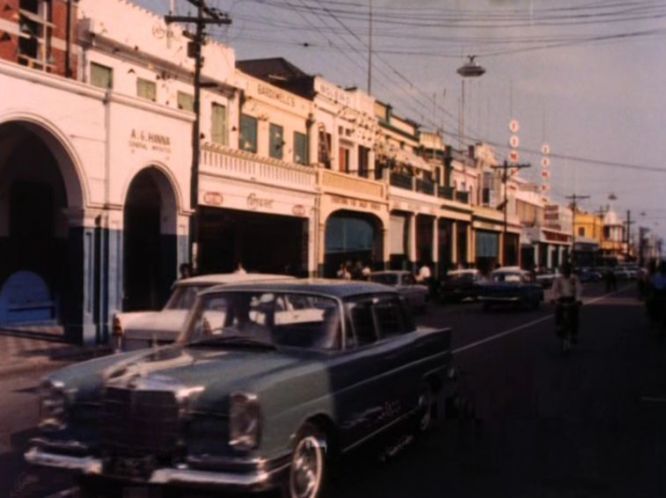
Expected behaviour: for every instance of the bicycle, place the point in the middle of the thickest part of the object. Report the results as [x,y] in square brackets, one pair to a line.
[566,317]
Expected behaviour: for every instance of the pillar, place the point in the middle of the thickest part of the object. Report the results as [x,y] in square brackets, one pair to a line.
[411,242]
[455,257]
[435,246]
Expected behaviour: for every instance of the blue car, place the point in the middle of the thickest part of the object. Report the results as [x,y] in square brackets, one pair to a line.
[511,286]
[268,383]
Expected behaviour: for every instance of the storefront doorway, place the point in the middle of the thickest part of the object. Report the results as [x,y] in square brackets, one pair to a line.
[352,237]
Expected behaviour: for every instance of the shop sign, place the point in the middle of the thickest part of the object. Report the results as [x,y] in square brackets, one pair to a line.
[273,93]
[345,201]
[298,210]
[146,140]
[213,198]
[255,202]
[555,237]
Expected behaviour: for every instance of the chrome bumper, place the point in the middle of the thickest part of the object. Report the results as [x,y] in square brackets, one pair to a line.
[498,299]
[256,480]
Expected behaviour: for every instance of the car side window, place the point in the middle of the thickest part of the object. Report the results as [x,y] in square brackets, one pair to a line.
[363,324]
[408,280]
[390,318]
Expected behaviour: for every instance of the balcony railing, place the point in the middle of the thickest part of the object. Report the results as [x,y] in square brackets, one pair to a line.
[462,197]
[445,192]
[425,186]
[401,180]
[342,183]
[247,166]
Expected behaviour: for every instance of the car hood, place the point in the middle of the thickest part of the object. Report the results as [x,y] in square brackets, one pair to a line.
[210,372]
[146,324]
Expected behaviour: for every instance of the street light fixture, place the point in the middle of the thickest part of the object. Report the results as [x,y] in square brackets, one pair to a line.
[470,69]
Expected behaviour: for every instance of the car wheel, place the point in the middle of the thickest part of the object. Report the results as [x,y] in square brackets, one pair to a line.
[307,472]
[424,409]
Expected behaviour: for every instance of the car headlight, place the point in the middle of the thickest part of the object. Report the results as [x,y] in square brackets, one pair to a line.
[244,421]
[52,406]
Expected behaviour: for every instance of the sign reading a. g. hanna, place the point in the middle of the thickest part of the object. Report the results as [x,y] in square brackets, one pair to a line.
[146,140]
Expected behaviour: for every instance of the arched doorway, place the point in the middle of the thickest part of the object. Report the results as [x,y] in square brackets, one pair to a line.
[150,245]
[41,259]
[352,237]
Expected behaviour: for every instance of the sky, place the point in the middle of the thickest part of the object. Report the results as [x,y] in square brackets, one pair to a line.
[587,77]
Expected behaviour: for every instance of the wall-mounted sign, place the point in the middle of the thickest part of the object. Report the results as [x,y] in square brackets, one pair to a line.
[255,202]
[213,198]
[514,126]
[146,140]
[514,141]
[275,94]
[346,201]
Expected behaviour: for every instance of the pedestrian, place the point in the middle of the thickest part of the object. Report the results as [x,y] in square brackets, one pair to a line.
[239,268]
[611,280]
[343,272]
[366,271]
[185,270]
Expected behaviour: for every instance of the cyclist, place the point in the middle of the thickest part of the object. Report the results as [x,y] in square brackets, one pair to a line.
[567,291]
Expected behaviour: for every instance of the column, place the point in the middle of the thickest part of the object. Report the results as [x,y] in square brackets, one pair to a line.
[321,249]
[386,247]
[411,242]
[435,247]
[455,257]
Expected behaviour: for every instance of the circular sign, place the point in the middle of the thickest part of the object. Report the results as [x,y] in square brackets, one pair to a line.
[514,126]
[513,156]
[545,149]
[545,162]
[514,141]
[545,187]
[545,173]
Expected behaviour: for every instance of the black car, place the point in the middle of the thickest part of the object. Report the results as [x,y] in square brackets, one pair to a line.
[460,285]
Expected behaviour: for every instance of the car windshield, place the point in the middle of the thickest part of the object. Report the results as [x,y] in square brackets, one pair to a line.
[460,277]
[183,297]
[385,278]
[263,317]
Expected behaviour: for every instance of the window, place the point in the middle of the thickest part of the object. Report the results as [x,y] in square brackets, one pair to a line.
[146,89]
[248,133]
[363,325]
[581,231]
[185,101]
[300,148]
[324,151]
[36,28]
[363,161]
[218,125]
[389,317]
[101,76]
[276,141]
[343,159]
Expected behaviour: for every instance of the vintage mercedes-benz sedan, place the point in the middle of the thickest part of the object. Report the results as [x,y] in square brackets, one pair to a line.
[267,383]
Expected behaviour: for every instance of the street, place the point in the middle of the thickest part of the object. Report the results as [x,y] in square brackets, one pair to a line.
[588,424]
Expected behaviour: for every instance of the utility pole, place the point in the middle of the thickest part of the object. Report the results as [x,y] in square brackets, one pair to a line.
[205,15]
[370,48]
[505,167]
[574,207]
[629,222]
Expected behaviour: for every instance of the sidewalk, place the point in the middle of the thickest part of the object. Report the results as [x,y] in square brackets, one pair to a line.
[32,348]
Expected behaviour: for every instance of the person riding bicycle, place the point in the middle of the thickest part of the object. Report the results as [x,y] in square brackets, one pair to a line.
[567,291]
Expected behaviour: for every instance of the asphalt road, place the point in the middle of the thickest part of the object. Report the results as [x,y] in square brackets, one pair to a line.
[590,424]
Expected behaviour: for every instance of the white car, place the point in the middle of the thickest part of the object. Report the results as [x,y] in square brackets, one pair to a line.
[405,283]
[142,329]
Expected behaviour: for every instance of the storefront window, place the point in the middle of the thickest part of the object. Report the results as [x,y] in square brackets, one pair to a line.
[300,148]
[218,125]
[185,101]
[101,76]
[363,161]
[146,89]
[248,133]
[276,141]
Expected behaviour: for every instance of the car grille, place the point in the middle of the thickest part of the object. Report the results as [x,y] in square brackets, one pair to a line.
[137,422]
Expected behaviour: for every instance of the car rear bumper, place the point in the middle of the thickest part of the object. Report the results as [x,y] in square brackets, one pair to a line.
[259,475]
[499,300]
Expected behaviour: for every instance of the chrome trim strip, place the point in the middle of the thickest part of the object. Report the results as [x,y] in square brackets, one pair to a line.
[500,299]
[365,438]
[251,480]
[86,465]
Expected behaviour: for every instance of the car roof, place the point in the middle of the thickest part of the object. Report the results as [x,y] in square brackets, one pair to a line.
[231,278]
[510,269]
[334,288]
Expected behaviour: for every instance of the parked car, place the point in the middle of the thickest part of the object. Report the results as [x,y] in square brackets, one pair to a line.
[546,280]
[141,329]
[268,384]
[405,283]
[511,286]
[459,285]
[589,275]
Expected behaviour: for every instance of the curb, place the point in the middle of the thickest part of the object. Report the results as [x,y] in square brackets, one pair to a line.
[56,360]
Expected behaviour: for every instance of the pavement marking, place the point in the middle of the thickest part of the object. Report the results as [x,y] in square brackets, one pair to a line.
[527,325]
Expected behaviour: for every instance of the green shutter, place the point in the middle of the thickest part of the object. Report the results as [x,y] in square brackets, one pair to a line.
[276,141]
[300,148]
[185,101]
[101,76]
[146,89]
[219,124]
[248,133]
